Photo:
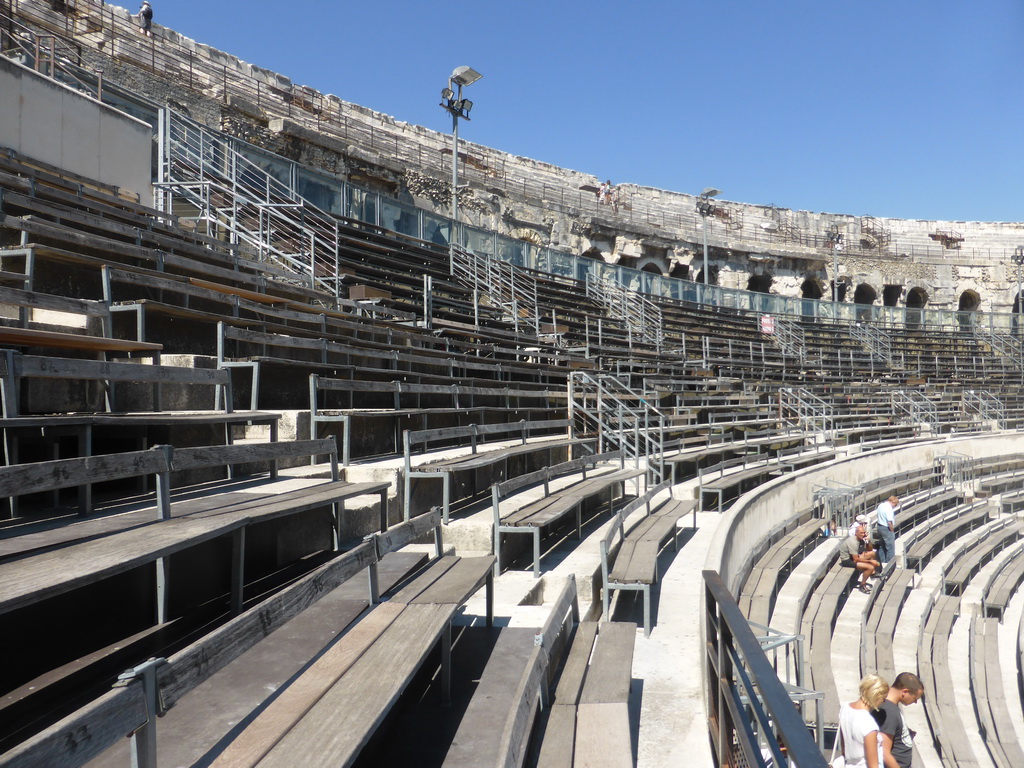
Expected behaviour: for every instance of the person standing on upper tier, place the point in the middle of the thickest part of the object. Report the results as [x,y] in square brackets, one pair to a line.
[885,526]
[146,19]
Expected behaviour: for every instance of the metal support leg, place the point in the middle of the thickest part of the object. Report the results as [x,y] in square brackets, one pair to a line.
[143,741]
[237,570]
[162,585]
[446,665]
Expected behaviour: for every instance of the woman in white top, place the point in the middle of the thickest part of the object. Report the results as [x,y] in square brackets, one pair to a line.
[857,726]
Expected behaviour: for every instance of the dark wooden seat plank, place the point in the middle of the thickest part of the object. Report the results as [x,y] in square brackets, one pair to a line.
[570,684]
[339,724]
[464,578]
[610,671]
[556,749]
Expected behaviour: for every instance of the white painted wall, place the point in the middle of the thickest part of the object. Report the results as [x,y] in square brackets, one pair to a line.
[54,124]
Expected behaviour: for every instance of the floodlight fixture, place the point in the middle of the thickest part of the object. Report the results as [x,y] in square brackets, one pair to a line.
[465,76]
[710,192]
[458,108]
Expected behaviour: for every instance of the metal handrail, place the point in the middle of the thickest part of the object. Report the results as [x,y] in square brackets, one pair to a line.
[749,708]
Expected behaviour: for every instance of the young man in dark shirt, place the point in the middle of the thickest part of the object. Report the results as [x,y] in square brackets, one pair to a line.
[897,738]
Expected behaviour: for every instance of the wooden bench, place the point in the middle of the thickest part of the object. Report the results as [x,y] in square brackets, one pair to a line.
[14,368]
[970,557]
[949,734]
[327,714]
[629,559]
[534,516]
[588,723]
[134,703]
[458,400]
[989,694]
[754,471]
[38,576]
[757,597]
[513,688]
[548,450]
[922,546]
[1003,585]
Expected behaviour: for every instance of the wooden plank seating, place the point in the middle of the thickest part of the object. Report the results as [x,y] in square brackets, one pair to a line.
[948,731]
[970,557]
[15,368]
[179,679]
[549,449]
[989,694]
[880,626]
[458,399]
[818,621]
[588,724]
[35,577]
[1003,585]
[533,517]
[757,597]
[714,493]
[495,729]
[924,544]
[629,559]
[327,714]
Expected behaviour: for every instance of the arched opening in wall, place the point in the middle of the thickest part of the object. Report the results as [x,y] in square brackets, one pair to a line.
[759,283]
[917,298]
[891,295]
[651,267]
[967,308]
[681,271]
[864,297]
[712,274]
[1018,306]
[811,289]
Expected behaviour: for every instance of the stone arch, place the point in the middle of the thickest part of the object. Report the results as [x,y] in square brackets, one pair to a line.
[967,307]
[760,283]
[652,267]
[969,301]
[917,298]
[682,271]
[712,274]
[864,296]
[811,289]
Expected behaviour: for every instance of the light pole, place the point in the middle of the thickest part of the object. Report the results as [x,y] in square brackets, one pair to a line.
[1018,259]
[706,208]
[458,108]
[834,240]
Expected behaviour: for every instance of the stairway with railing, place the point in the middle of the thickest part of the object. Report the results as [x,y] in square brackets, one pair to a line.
[807,411]
[916,408]
[204,176]
[641,316]
[605,407]
[507,287]
[876,342]
[1009,350]
[985,405]
[790,338]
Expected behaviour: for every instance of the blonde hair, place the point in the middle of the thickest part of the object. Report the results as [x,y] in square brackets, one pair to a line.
[873,689]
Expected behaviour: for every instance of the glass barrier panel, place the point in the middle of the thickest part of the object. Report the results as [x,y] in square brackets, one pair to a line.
[398,218]
[436,229]
[318,191]
[511,251]
[480,241]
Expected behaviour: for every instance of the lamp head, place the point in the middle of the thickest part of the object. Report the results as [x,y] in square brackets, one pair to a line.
[710,192]
[465,76]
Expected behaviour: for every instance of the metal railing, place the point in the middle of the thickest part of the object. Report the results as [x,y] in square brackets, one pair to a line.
[983,404]
[808,411]
[233,195]
[1008,347]
[641,316]
[916,408]
[790,337]
[604,406]
[511,289]
[875,341]
[751,714]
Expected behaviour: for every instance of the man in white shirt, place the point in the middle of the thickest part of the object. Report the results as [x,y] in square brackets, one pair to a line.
[885,526]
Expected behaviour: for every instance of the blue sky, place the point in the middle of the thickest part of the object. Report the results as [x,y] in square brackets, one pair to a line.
[905,108]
